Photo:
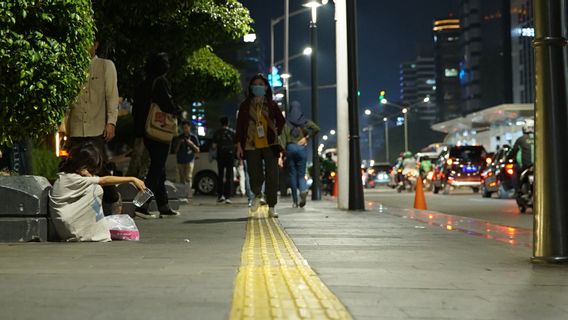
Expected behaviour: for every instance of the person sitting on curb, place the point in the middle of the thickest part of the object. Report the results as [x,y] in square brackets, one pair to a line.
[75,202]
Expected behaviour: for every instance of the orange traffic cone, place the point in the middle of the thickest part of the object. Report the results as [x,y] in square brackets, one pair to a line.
[419,199]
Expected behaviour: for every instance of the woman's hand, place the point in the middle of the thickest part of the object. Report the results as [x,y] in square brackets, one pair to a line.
[303,141]
[239,152]
[139,184]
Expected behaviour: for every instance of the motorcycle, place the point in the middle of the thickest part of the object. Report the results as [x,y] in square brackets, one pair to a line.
[328,182]
[428,180]
[525,193]
[409,178]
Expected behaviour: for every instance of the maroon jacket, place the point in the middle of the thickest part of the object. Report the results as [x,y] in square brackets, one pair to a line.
[243,120]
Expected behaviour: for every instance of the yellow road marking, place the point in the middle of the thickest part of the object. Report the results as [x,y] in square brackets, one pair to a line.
[274,280]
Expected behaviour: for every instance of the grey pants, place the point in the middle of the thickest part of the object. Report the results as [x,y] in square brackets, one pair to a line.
[263,167]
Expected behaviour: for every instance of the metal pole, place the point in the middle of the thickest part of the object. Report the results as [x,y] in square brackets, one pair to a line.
[550,232]
[386,141]
[356,199]
[342,108]
[370,144]
[406,131]
[272,24]
[286,52]
[316,190]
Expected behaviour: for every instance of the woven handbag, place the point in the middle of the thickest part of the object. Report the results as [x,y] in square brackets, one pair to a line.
[160,126]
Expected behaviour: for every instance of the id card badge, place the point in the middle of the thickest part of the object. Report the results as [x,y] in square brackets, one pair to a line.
[260,131]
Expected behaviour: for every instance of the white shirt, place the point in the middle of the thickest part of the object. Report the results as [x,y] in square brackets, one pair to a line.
[75,204]
[97,103]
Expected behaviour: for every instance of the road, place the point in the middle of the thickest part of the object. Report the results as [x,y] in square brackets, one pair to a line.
[460,203]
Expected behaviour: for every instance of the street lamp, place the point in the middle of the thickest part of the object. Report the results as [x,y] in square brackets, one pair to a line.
[367,112]
[313,5]
[405,113]
[369,130]
[332,132]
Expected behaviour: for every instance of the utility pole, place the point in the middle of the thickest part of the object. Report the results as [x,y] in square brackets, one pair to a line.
[316,191]
[550,231]
[342,105]
[356,198]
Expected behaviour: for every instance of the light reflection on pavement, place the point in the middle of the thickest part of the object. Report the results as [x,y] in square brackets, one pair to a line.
[469,226]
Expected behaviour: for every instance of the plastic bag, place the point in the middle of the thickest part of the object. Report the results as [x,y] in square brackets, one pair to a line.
[122,227]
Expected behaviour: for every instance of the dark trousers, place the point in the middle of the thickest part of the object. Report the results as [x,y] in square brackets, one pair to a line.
[225,177]
[156,178]
[110,194]
[263,167]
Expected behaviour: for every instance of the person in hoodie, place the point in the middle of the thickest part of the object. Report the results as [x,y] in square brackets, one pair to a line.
[296,136]
[75,202]
[155,88]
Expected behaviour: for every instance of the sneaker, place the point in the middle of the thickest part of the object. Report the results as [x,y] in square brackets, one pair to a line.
[255,204]
[169,213]
[303,196]
[228,201]
[294,205]
[250,203]
[272,213]
[263,201]
[221,199]
[144,214]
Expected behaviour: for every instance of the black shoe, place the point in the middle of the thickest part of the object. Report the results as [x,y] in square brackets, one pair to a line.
[169,213]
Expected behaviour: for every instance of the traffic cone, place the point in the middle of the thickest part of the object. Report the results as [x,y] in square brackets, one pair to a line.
[419,199]
[335,185]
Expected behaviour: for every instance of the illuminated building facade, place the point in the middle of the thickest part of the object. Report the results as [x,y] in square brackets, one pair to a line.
[522,52]
[447,61]
[485,45]
[418,81]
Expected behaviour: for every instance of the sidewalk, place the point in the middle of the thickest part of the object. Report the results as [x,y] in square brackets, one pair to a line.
[379,264]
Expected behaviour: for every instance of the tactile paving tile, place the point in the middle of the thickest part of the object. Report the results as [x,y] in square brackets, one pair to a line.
[275,281]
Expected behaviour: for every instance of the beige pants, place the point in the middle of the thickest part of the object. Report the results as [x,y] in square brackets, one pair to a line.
[185,174]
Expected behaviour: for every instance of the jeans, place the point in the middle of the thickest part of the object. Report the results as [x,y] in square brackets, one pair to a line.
[156,178]
[260,173]
[225,177]
[296,158]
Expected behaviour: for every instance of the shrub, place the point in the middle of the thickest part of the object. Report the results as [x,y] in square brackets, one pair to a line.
[44,60]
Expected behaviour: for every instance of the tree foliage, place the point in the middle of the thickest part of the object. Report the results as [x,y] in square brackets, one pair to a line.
[206,75]
[43,62]
[131,30]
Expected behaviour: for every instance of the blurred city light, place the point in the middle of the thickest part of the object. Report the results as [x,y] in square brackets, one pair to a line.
[251,37]
[368,112]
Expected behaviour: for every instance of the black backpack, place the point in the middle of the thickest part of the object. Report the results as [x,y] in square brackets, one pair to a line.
[226,142]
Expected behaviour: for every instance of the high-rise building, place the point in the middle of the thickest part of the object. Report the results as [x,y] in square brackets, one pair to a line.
[417,87]
[447,61]
[485,44]
[522,54]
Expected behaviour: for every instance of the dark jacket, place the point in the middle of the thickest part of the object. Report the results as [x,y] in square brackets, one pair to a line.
[243,120]
[523,151]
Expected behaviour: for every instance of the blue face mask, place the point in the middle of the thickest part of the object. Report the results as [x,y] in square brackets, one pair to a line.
[258,90]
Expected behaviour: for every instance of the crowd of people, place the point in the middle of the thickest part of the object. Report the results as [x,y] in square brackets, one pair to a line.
[262,141]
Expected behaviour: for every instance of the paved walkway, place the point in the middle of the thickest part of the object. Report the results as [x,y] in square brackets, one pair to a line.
[380,263]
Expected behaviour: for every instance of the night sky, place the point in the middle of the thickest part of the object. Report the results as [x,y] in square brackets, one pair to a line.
[389,32]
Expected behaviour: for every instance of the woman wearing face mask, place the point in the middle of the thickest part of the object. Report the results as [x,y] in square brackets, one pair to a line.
[259,123]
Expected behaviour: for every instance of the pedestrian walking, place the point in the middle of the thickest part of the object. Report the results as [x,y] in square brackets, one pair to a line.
[259,125]
[224,146]
[156,89]
[187,145]
[296,135]
[92,118]
[75,201]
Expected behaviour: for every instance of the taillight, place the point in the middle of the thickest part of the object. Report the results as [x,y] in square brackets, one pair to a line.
[510,169]
[488,161]
[449,162]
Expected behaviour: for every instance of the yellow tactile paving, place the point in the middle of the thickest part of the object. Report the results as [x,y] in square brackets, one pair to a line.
[274,280]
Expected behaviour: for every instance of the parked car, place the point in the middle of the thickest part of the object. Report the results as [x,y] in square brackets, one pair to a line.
[500,176]
[204,170]
[459,166]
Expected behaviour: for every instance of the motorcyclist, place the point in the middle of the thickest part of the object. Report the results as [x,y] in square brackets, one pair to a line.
[409,163]
[425,165]
[523,149]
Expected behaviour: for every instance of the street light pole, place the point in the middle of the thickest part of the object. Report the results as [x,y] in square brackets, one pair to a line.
[316,191]
[405,112]
[356,198]
[385,120]
[369,130]
[550,243]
